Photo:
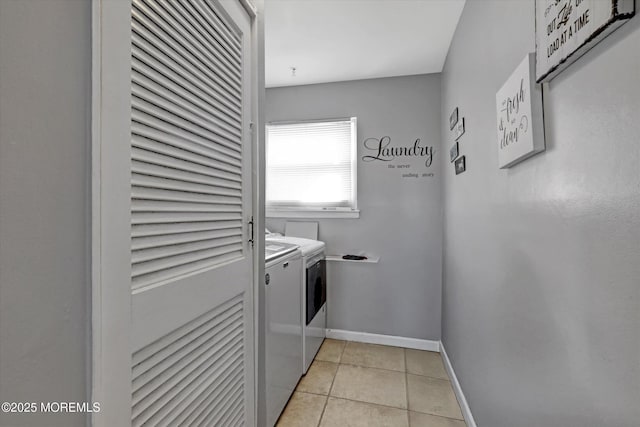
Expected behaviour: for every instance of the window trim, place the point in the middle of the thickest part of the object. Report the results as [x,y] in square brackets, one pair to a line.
[311,213]
[326,212]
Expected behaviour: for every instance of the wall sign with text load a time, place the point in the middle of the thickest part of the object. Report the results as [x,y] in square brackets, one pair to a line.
[566,29]
[520,124]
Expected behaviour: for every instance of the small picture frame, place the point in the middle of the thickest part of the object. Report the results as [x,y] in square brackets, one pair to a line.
[453,152]
[453,118]
[460,165]
[458,130]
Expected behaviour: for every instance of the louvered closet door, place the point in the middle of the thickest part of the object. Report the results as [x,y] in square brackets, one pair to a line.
[192,309]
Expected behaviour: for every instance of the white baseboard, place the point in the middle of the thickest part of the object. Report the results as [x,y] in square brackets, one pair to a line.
[464,406]
[391,340]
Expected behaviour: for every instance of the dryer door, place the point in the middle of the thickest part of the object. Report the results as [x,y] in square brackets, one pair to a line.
[316,289]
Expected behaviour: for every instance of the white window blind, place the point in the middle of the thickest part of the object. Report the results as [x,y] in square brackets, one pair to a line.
[312,165]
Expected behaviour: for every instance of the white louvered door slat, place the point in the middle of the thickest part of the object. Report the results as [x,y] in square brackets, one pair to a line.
[148,144]
[147,181]
[191,263]
[179,58]
[143,159]
[150,230]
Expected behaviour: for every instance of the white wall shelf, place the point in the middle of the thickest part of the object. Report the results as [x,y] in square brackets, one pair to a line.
[369,260]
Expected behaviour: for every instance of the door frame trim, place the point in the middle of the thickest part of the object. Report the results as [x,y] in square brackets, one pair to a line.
[258,183]
[110,222]
[110,239]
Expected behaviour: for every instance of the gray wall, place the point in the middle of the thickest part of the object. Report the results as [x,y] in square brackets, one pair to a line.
[541,295]
[45,63]
[400,217]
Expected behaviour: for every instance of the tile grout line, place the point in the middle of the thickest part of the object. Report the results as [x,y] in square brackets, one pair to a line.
[364,402]
[429,376]
[406,384]
[331,386]
[344,347]
[368,403]
[440,416]
[361,401]
[375,367]
[323,409]
[394,370]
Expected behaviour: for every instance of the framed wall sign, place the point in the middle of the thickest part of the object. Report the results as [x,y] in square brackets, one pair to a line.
[453,152]
[453,119]
[566,29]
[461,165]
[520,124]
[458,129]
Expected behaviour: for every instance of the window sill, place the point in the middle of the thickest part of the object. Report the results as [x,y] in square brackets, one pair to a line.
[274,213]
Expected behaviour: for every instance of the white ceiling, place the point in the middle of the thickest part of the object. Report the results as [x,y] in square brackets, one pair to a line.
[337,40]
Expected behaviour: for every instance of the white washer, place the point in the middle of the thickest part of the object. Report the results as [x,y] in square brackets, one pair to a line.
[283,340]
[314,294]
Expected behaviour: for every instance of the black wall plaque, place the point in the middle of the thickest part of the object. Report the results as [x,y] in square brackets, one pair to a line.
[460,165]
[453,152]
[453,119]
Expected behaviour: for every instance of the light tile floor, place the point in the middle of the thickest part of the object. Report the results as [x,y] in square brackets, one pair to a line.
[352,384]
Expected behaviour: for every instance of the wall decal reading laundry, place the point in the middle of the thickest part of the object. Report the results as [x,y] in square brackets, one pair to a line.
[381,149]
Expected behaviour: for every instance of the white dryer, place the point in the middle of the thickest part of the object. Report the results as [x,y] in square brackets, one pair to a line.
[314,294]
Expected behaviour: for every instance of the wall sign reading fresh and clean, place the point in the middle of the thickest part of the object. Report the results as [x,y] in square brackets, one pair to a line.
[520,127]
[384,150]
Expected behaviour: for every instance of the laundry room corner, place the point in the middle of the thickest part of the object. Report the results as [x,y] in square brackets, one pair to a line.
[398,196]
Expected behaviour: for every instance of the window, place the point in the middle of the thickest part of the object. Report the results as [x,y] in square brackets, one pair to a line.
[311,169]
